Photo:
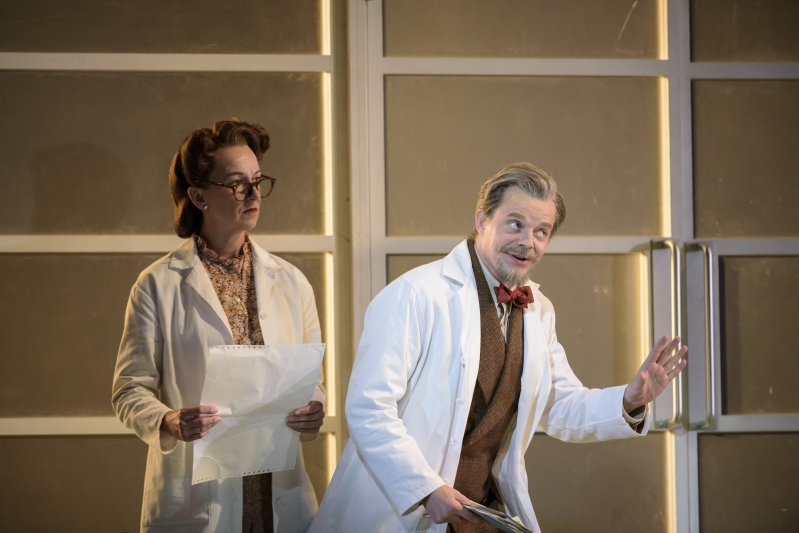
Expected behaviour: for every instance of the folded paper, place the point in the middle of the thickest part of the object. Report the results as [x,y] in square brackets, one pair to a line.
[254,389]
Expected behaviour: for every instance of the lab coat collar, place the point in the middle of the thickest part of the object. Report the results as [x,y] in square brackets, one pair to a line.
[186,260]
[263,259]
[185,256]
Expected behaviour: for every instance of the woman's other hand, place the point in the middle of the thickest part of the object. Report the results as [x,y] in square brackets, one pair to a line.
[307,420]
[187,424]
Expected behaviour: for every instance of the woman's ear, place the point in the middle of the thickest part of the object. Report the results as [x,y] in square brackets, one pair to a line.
[197,197]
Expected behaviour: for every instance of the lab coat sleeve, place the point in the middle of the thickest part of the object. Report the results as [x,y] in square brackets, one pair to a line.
[312,333]
[576,413]
[390,350]
[137,376]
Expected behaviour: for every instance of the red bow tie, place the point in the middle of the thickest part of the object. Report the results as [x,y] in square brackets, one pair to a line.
[520,297]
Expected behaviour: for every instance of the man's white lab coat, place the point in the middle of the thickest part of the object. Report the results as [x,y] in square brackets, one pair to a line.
[410,393]
[173,317]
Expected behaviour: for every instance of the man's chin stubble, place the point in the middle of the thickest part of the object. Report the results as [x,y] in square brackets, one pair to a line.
[513,278]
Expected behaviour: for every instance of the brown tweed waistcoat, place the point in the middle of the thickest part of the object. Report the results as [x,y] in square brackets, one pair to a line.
[495,399]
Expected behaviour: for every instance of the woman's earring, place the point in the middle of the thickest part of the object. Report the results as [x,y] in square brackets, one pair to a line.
[205,206]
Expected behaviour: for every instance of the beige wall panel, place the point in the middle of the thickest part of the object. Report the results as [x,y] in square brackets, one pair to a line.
[162,26]
[312,265]
[600,320]
[317,464]
[89,152]
[397,265]
[748,482]
[599,137]
[522,28]
[620,486]
[745,158]
[745,30]
[760,338]
[72,484]
[60,323]
[598,303]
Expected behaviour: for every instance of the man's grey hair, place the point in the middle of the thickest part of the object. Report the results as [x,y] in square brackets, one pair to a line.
[529,178]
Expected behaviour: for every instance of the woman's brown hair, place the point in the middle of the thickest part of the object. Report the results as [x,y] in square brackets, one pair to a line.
[194,161]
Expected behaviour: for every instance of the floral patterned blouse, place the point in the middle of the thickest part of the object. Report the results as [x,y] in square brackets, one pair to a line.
[234,283]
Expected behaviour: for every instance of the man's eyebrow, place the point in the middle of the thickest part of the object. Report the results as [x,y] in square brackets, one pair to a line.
[516,214]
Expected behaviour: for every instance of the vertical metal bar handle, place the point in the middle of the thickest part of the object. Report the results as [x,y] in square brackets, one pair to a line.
[702,394]
[668,410]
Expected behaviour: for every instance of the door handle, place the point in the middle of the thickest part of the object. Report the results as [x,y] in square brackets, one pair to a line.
[665,313]
[699,325]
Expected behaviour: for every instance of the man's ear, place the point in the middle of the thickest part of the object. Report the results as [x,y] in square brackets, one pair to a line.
[197,197]
[480,219]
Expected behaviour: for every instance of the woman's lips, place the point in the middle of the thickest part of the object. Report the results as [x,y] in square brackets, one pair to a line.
[251,210]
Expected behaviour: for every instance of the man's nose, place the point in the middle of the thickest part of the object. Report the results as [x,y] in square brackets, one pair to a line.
[526,238]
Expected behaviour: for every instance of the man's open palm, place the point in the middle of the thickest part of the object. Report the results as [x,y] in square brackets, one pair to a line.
[656,373]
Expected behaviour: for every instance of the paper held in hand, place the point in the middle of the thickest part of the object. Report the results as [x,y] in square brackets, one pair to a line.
[498,519]
[254,388]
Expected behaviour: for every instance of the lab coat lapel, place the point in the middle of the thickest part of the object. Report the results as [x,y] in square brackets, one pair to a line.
[457,267]
[186,259]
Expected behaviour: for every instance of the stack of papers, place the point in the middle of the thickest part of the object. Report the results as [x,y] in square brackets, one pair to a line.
[497,519]
[254,389]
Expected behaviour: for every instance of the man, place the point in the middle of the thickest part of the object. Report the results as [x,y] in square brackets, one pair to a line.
[458,364]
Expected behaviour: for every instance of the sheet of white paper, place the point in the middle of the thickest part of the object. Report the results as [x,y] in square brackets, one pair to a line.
[254,388]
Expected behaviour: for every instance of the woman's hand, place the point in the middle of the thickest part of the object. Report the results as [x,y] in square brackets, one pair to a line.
[307,420]
[187,425]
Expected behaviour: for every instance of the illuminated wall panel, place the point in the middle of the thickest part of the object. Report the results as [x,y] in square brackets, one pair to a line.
[760,339]
[744,30]
[72,483]
[621,486]
[89,152]
[163,26]
[599,137]
[745,158]
[523,28]
[748,482]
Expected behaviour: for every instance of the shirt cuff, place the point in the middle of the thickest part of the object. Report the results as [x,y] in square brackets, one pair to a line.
[635,418]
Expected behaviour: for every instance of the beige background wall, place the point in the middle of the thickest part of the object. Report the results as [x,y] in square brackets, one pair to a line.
[659,119]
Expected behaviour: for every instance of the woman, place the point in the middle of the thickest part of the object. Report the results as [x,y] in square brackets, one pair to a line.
[216,288]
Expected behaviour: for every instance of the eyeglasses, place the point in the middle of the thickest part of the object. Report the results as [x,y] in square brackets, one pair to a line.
[243,189]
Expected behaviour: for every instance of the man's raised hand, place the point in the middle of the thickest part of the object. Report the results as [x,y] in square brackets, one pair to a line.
[660,367]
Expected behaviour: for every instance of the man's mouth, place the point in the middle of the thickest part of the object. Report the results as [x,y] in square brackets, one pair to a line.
[520,258]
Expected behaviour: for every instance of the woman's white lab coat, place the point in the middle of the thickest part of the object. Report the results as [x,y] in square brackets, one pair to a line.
[409,397]
[173,317]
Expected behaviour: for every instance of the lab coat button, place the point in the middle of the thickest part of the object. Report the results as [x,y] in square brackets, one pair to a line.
[445,480]
[454,442]
[263,316]
[463,360]
[460,401]
[278,502]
